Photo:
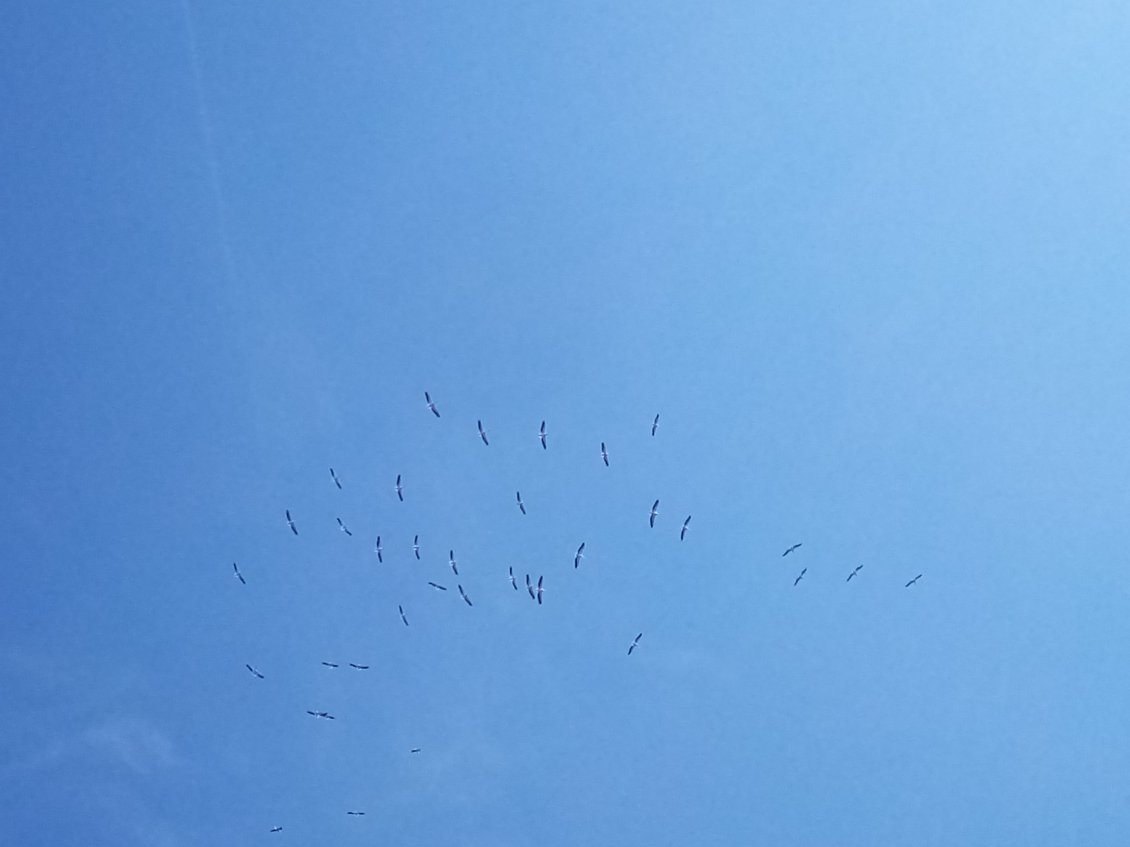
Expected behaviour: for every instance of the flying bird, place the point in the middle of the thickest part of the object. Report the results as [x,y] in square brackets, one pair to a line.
[290,522]
[257,674]
[401,608]
[683,531]
[463,594]
[358,814]
[238,575]
[636,641]
[416,546]
[654,426]
[344,528]
[451,557]
[540,590]
[330,664]
[359,667]
[541,435]
[913,581]
[337,481]
[325,715]
[378,549]
[513,581]
[437,586]
[654,513]
[580,555]
[276,829]
[530,588]
[795,546]
[520,504]
[858,568]
[483,434]
[399,489]
[604,454]
[800,577]
[414,750]
[431,405]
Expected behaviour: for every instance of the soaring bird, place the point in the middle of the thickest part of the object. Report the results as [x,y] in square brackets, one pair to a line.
[399,489]
[800,577]
[541,435]
[431,405]
[483,434]
[539,589]
[683,531]
[513,581]
[790,550]
[325,715]
[343,528]
[520,504]
[654,426]
[654,513]
[290,522]
[378,549]
[530,588]
[437,586]
[416,546]
[414,750]
[359,667]
[276,829]
[402,617]
[463,594]
[259,675]
[636,641]
[604,453]
[238,575]
[358,814]
[913,581]
[337,481]
[451,558]
[858,568]
[580,555]
[330,664]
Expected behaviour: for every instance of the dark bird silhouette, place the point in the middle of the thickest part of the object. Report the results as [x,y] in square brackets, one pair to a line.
[580,555]
[858,568]
[431,405]
[795,546]
[337,481]
[530,588]
[330,664]
[238,575]
[276,829]
[359,667]
[437,586]
[451,558]
[378,549]
[513,581]
[416,546]
[483,433]
[683,531]
[357,814]
[539,589]
[913,581]
[326,715]
[344,528]
[414,750]
[654,426]
[402,617]
[463,594]
[541,435]
[635,641]
[654,513]
[257,674]
[399,489]
[604,453]
[290,522]
[800,577]
[520,504]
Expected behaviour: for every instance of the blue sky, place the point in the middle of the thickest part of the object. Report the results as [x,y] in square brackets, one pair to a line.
[867,263]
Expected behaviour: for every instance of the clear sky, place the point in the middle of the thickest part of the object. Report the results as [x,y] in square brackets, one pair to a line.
[868,262]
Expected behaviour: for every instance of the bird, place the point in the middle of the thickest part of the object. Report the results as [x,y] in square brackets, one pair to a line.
[913,581]
[378,550]
[325,715]
[399,489]
[290,522]
[790,550]
[359,667]
[337,481]
[800,577]
[416,546]
[344,528]
[530,588]
[513,581]
[414,750]
[437,586]
[451,557]
[483,434]
[683,531]
[463,594]
[402,617]
[654,426]
[540,590]
[330,664]
[858,568]
[358,814]
[238,575]
[580,555]
[654,513]
[604,453]
[431,405]
[521,505]
[636,641]
[257,674]
[541,435]
[276,829]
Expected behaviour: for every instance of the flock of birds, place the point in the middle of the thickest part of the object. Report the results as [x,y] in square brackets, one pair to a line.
[536,590]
